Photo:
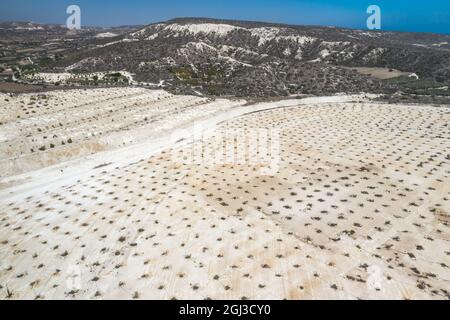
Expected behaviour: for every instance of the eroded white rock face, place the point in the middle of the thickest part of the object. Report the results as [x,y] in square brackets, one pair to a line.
[208,28]
[264,34]
[358,208]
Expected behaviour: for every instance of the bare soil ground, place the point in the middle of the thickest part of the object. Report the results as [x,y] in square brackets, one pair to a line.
[358,208]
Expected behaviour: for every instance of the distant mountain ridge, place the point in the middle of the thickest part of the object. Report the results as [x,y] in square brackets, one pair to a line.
[228,57]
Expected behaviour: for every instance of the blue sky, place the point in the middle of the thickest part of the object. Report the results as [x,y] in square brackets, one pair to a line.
[401,15]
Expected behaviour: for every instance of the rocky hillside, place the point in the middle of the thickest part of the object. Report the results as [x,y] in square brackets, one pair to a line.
[259,59]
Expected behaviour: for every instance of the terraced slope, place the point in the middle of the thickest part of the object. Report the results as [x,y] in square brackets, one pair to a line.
[225,57]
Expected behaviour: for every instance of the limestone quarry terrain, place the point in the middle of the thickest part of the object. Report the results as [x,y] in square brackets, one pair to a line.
[216,159]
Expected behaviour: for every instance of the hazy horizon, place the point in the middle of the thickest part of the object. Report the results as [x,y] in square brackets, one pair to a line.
[400,16]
